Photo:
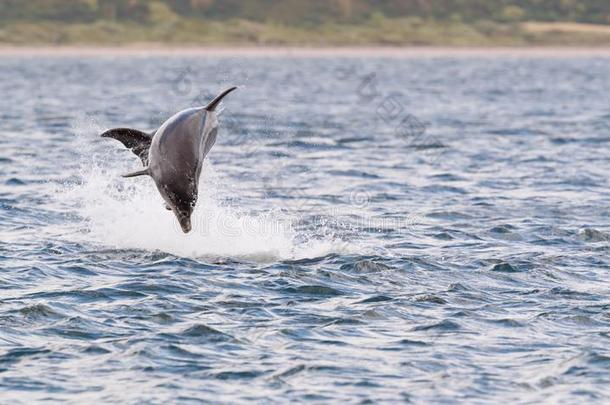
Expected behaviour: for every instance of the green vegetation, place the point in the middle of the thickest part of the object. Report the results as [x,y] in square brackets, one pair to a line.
[306,22]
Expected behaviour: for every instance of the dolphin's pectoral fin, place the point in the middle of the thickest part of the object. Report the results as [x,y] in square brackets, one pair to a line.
[144,172]
[137,141]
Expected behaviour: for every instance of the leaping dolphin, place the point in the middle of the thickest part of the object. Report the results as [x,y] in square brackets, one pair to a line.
[173,154]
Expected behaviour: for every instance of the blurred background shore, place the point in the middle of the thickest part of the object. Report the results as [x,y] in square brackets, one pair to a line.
[283,24]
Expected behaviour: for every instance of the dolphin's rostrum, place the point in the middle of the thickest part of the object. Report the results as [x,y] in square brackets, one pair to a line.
[173,154]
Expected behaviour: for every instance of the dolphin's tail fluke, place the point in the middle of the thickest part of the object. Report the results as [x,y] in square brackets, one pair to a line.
[137,141]
[214,103]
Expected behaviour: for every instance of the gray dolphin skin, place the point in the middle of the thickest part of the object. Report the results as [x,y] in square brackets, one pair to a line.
[173,154]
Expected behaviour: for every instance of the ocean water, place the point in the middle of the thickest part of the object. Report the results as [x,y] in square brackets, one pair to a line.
[368,230]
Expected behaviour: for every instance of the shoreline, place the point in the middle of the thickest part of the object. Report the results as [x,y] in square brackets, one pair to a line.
[145,50]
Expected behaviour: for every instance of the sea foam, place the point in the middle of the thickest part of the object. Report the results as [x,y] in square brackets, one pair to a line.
[130,214]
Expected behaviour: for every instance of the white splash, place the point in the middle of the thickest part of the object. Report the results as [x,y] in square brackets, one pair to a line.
[130,214]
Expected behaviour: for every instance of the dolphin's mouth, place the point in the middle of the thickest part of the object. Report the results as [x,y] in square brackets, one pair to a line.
[185,224]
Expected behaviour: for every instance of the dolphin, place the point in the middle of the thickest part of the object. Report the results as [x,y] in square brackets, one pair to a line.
[173,154]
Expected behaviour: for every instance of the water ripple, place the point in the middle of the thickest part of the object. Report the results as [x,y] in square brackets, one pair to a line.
[334,258]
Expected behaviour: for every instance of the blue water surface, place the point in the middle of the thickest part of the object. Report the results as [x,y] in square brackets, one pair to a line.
[368,230]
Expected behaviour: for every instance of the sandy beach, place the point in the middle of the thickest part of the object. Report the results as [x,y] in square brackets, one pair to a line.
[145,50]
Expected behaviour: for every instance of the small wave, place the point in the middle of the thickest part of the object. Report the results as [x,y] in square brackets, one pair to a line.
[15,355]
[444,326]
[14,182]
[39,311]
[593,235]
[314,290]
[505,268]
[205,332]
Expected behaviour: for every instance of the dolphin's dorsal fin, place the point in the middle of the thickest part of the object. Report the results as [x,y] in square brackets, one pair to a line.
[214,103]
[137,141]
